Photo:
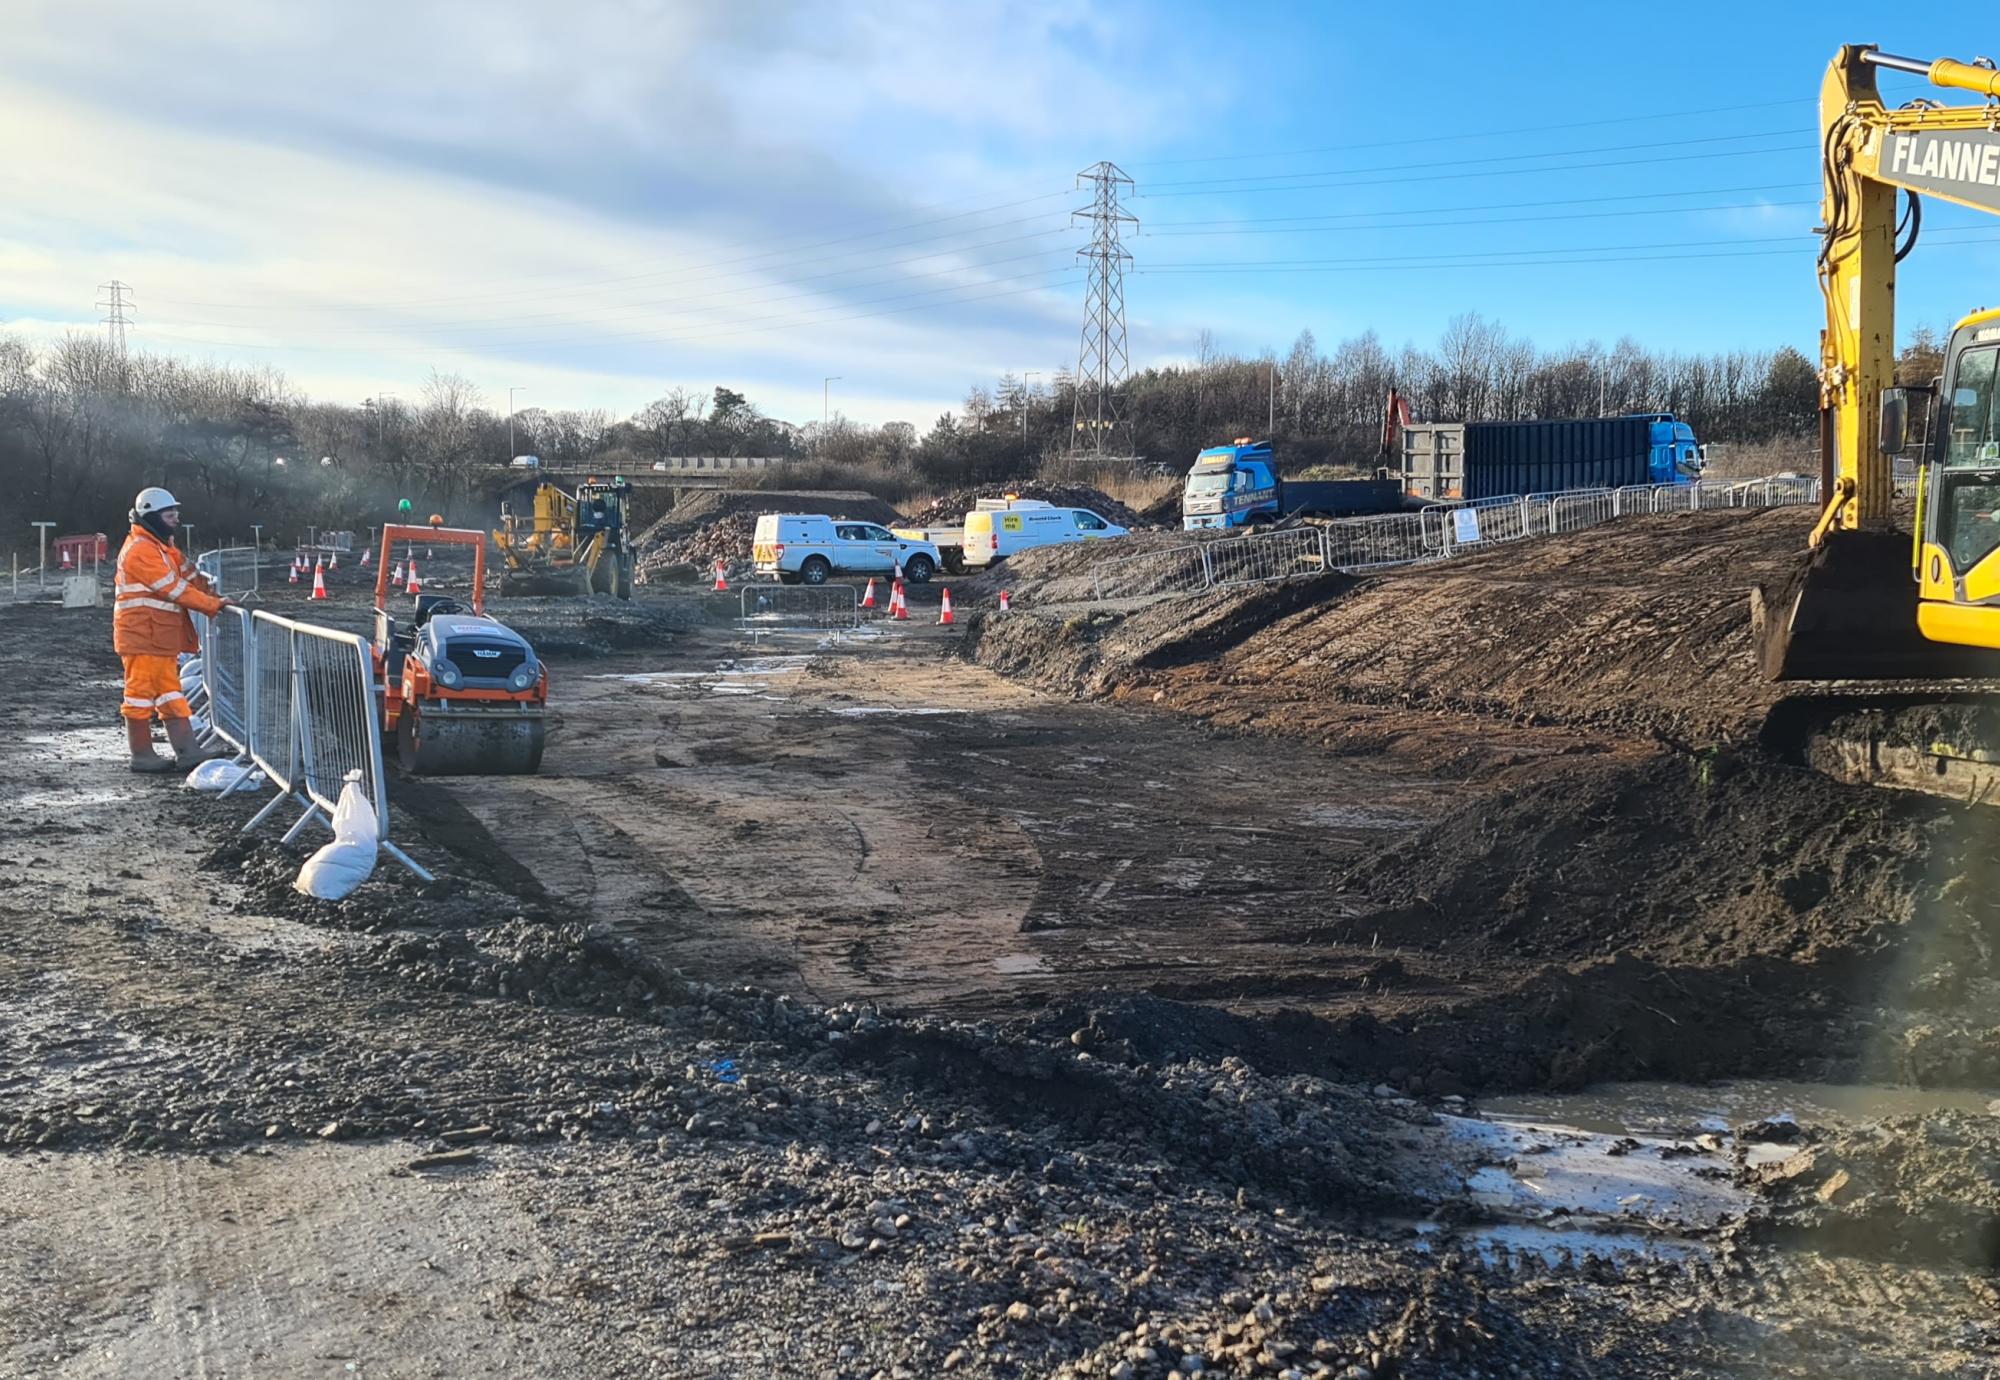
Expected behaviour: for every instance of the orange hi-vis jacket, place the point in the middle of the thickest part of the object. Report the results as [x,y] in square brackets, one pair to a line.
[156,588]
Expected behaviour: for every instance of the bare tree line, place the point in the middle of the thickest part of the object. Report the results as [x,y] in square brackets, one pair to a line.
[82,427]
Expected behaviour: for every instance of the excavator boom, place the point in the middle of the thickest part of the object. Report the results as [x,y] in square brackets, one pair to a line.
[1854,611]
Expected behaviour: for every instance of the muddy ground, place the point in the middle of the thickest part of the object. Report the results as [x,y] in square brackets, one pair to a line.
[1078,993]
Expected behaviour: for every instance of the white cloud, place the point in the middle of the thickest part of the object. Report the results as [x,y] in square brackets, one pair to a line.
[621,196]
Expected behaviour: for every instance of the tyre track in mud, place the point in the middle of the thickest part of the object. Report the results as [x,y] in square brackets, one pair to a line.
[878,825]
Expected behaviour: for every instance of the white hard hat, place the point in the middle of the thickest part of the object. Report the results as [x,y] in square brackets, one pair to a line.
[154,501]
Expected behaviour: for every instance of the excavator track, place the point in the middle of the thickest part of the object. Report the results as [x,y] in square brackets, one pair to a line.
[469,742]
[1944,745]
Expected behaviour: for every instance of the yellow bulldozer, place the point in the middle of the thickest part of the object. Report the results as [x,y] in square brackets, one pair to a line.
[573,542]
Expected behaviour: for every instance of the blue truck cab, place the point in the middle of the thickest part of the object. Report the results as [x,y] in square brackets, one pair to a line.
[1229,485]
[1673,457]
[1239,486]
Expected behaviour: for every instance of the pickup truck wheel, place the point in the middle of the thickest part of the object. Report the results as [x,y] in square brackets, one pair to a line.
[815,570]
[920,569]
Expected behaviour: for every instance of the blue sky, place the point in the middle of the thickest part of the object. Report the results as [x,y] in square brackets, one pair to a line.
[598,201]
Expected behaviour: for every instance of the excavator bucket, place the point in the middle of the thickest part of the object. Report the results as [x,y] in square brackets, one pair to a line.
[1850,613]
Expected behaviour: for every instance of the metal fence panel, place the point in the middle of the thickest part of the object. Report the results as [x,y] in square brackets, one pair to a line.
[800,606]
[1788,490]
[316,723]
[1447,527]
[1266,556]
[227,674]
[273,746]
[1673,498]
[1366,543]
[1181,569]
[1572,512]
[230,569]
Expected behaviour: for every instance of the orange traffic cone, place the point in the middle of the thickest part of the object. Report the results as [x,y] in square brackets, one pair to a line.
[413,586]
[364,558]
[395,574]
[899,607]
[720,583]
[944,610]
[1004,604]
[295,572]
[65,556]
[319,582]
[868,597]
[333,561]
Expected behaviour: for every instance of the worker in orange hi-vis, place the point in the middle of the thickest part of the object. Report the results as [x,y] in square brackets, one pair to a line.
[156,588]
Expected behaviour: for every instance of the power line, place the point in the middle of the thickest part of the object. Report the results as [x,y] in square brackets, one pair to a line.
[644,307]
[1479,134]
[1515,258]
[707,268]
[1789,149]
[116,306]
[1492,158]
[1507,220]
[780,319]
[1101,359]
[1489,206]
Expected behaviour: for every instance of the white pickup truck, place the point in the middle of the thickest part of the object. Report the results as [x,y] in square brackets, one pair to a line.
[806,548]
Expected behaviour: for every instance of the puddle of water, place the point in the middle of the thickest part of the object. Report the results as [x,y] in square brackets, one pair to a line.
[1019,965]
[1680,1110]
[1360,817]
[856,711]
[1558,1189]
[727,671]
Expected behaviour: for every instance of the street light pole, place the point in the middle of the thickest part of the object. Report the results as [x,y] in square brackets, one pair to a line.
[519,388]
[42,570]
[825,397]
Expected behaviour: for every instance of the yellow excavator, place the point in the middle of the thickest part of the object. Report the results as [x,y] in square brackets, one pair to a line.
[572,543]
[1873,603]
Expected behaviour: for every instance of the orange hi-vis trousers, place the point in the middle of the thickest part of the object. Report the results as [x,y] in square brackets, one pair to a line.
[153,687]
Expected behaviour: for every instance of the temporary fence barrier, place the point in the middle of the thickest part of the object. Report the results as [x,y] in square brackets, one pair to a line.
[1394,539]
[799,606]
[1181,569]
[1435,532]
[313,713]
[1265,556]
[1578,509]
[230,569]
[226,675]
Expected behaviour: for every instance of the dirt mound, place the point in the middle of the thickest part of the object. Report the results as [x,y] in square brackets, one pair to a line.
[1064,574]
[1696,861]
[951,508]
[718,525]
[1636,629]
[1087,652]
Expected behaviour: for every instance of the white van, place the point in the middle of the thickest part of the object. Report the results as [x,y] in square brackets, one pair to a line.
[806,548]
[999,527]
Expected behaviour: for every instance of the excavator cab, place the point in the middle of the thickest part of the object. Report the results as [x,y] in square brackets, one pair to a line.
[1957,550]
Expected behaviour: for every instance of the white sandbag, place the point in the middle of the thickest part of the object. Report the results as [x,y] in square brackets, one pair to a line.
[333,872]
[191,676]
[220,775]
